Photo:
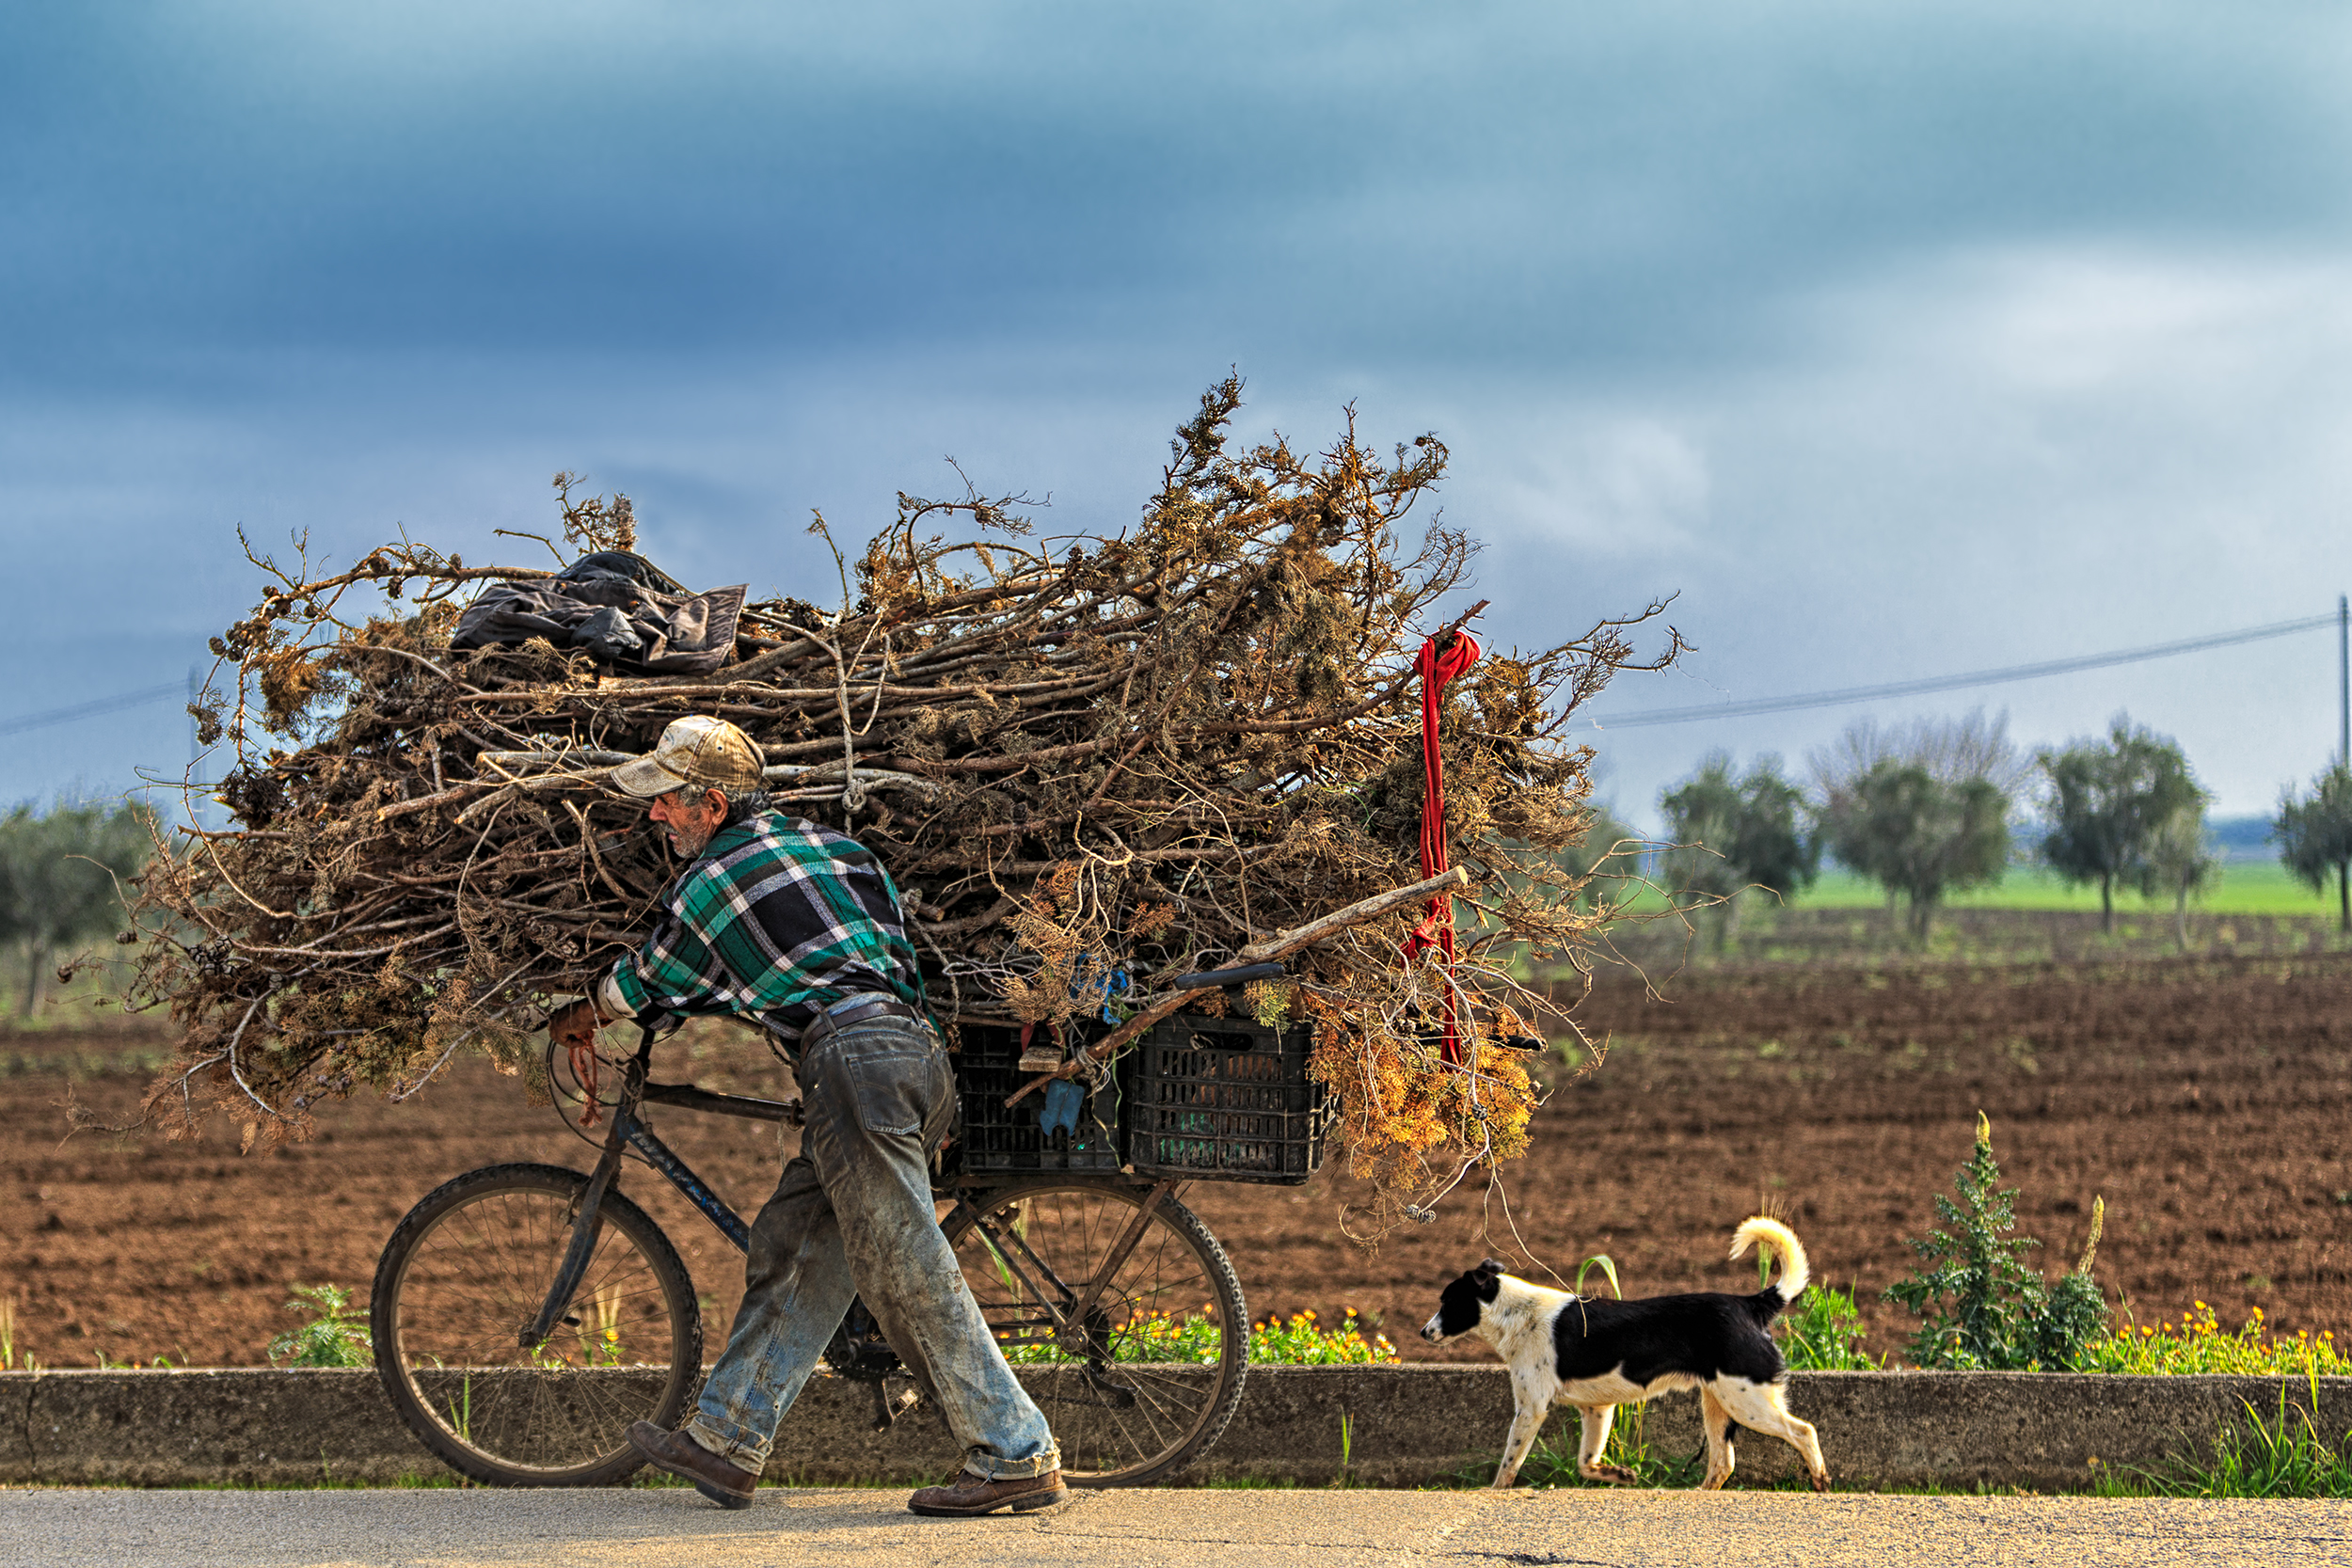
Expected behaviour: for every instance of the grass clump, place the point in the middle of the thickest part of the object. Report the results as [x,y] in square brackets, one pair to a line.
[334,1336]
[1822,1332]
[1981,1307]
[2281,1456]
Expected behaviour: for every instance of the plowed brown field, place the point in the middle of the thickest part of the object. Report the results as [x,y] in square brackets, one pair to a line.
[2206,1098]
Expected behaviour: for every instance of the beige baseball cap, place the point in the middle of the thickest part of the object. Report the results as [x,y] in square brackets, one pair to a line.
[696,750]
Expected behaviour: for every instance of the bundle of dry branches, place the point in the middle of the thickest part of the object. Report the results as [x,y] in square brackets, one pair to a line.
[1091,764]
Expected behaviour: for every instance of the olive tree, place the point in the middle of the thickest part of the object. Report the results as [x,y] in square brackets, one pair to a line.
[1917,835]
[2316,836]
[1921,809]
[2109,802]
[59,872]
[1730,834]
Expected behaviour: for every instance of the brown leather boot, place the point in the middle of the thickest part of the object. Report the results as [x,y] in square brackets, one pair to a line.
[723,1483]
[972,1496]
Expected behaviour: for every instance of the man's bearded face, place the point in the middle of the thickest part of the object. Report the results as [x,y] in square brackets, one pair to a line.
[689,816]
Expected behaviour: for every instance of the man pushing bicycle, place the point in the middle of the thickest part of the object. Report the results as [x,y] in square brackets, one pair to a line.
[799,928]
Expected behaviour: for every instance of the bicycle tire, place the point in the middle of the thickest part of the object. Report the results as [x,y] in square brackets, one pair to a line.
[466,1271]
[1141,1344]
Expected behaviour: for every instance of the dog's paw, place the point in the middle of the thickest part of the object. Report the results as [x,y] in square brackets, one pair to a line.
[1616,1475]
[1820,1482]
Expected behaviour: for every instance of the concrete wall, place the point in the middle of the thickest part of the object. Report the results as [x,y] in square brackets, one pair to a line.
[1404,1425]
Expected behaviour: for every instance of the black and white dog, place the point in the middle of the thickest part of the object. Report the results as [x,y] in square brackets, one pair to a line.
[1596,1354]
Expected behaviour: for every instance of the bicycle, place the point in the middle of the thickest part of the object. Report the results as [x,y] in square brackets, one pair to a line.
[524,1314]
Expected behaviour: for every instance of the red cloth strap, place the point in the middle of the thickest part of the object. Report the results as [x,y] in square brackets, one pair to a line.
[1437,927]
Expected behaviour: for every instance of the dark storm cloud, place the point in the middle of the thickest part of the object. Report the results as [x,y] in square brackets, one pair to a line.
[1490,181]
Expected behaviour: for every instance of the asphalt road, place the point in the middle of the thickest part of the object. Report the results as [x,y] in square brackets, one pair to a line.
[1130,1529]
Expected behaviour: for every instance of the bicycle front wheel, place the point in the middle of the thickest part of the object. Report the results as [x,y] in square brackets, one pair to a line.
[459,1285]
[1137,1384]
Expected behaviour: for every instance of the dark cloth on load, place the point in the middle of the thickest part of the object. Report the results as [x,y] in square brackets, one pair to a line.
[616,606]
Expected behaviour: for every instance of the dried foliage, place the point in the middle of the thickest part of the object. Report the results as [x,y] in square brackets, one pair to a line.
[1091,764]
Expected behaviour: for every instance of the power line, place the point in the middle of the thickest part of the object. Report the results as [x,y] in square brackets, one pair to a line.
[1956,683]
[116,703]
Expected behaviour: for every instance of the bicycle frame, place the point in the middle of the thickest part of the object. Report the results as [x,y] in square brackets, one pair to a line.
[629,1131]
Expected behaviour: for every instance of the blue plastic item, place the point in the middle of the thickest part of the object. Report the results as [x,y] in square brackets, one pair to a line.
[1061,1112]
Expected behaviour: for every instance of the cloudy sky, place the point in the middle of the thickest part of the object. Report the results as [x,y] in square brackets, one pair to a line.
[1897,341]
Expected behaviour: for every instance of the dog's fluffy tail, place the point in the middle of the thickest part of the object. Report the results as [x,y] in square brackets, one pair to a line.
[1776,1238]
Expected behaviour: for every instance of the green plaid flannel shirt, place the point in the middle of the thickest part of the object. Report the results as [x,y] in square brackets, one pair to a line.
[778,919]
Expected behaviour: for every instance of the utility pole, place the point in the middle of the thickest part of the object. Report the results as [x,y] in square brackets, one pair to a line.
[2344,677]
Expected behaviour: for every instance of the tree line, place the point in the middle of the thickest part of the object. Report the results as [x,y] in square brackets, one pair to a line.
[1926,810]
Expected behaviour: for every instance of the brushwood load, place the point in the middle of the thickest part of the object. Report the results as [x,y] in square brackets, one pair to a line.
[1092,764]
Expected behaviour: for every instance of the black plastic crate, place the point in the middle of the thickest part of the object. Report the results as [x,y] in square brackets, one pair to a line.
[1001,1140]
[1224,1100]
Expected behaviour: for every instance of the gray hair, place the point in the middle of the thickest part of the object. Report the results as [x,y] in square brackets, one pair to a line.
[743,802]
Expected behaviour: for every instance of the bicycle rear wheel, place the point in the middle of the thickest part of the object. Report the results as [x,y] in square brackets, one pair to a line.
[461,1281]
[1139,1386]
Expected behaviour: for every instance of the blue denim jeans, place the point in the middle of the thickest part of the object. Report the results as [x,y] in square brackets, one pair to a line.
[854,1216]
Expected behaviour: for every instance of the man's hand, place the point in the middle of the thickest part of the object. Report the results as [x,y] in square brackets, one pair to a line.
[576,1026]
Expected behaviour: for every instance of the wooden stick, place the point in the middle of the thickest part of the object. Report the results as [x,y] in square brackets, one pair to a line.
[426,802]
[1273,948]
[1355,914]
[532,785]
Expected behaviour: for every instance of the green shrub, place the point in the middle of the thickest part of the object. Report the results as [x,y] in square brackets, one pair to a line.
[1981,1307]
[334,1336]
